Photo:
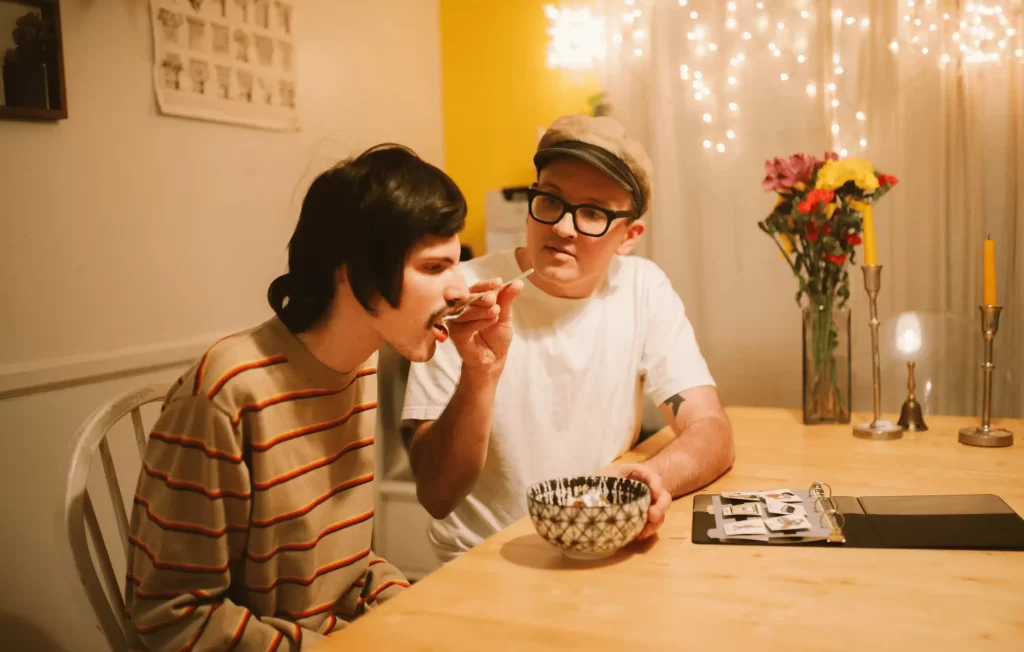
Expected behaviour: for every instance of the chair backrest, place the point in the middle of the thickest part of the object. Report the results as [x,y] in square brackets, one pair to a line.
[80,523]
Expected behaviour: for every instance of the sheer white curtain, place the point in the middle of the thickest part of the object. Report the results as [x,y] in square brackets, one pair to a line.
[766,79]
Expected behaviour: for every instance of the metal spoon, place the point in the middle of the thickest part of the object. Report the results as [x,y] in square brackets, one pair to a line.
[461,309]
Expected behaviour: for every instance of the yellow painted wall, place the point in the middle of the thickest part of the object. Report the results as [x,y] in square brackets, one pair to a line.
[497,89]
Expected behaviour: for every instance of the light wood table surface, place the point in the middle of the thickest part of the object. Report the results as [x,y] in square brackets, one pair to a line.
[516,592]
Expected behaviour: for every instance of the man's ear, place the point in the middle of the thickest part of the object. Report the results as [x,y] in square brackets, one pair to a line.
[633,233]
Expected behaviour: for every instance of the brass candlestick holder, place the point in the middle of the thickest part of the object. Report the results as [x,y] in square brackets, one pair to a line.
[878,428]
[985,434]
[911,417]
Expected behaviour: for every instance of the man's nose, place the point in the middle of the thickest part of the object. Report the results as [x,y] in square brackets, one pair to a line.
[455,290]
[564,227]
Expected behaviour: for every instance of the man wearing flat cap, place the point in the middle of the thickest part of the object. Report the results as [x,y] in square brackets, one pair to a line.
[591,328]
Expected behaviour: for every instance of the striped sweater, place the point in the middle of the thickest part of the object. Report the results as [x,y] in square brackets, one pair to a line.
[254,508]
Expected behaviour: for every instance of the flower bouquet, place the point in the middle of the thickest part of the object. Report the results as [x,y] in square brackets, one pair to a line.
[822,211]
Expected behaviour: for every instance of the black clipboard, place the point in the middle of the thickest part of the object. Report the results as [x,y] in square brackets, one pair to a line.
[947,522]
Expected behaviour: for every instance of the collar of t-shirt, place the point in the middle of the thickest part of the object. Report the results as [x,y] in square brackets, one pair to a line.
[509,268]
[305,361]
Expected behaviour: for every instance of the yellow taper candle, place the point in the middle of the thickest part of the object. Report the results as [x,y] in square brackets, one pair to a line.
[989,296]
[870,249]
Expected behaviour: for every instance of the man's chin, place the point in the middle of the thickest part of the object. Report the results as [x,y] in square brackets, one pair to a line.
[559,272]
[422,353]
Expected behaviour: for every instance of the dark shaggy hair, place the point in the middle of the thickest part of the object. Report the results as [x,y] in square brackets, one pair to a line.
[366,214]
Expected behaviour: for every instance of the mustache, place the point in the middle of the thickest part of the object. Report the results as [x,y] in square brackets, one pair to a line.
[437,314]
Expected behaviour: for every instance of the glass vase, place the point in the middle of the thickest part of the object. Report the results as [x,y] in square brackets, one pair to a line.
[826,364]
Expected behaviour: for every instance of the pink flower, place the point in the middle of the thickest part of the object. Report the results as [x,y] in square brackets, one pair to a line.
[779,175]
[783,174]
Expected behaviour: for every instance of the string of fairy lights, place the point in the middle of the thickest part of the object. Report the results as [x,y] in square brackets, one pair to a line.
[750,27]
[719,45]
[984,33]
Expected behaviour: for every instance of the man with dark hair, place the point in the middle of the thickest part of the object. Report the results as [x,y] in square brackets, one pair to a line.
[253,515]
[593,328]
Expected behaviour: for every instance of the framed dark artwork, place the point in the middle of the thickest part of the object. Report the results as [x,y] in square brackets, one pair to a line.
[32,52]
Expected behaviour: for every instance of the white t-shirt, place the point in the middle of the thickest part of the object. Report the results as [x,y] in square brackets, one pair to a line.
[567,402]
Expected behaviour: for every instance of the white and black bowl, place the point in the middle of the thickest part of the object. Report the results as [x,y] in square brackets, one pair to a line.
[561,517]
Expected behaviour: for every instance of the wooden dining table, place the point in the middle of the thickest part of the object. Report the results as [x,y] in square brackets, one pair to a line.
[517,592]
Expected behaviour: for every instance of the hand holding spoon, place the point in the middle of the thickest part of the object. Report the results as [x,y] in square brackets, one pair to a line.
[455,314]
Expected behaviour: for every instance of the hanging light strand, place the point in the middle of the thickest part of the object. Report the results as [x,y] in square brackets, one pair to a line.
[980,33]
[781,35]
[714,65]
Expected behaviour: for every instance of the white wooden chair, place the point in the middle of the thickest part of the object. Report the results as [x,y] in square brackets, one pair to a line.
[98,576]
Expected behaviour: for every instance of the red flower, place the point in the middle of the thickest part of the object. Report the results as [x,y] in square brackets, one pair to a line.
[813,232]
[853,239]
[887,180]
[814,198]
[838,260]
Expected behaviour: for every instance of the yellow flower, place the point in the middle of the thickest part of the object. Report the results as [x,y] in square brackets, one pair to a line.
[833,174]
[787,244]
[858,206]
[829,209]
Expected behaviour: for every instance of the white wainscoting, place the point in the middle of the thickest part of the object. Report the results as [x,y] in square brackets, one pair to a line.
[21,379]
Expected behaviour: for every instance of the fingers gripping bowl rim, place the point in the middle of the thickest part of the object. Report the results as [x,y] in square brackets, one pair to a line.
[590,516]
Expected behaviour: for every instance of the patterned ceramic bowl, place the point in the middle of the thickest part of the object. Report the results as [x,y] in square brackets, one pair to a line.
[588,517]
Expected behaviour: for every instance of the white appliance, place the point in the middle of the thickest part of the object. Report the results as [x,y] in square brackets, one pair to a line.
[505,212]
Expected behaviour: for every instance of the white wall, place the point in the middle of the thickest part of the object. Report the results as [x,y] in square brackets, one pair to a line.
[126,231]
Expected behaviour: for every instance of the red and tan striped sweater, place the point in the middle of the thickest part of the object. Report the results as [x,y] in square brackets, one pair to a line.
[254,509]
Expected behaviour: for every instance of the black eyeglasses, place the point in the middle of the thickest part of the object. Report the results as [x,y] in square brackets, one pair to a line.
[589,220]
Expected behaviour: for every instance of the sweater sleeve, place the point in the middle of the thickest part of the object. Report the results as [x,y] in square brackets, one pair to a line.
[189,526]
